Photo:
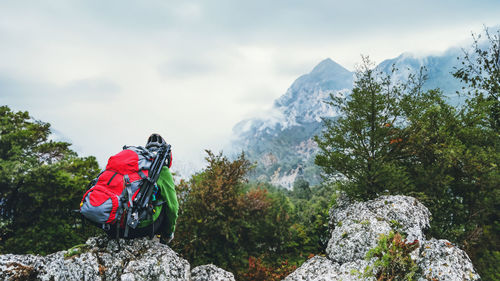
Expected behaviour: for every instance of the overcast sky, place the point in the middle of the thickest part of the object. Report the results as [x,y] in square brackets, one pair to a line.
[107,73]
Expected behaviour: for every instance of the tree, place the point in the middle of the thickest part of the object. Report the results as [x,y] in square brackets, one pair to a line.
[41,181]
[480,71]
[214,218]
[301,189]
[360,147]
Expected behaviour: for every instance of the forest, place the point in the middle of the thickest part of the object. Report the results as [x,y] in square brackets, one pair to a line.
[392,137]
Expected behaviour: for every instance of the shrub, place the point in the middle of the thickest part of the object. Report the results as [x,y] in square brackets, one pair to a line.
[393,260]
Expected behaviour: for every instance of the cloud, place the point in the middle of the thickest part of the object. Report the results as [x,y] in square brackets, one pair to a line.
[91,88]
[186,67]
[17,90]
[108,73]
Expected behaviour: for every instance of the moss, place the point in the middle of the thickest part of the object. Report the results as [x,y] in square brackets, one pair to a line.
[76,250]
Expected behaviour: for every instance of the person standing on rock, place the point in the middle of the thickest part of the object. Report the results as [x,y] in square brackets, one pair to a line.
[113,201]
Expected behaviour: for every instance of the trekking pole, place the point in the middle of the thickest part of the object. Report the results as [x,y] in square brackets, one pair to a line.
[142,201]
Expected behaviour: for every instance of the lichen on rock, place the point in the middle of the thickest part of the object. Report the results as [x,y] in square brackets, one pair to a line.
[210,272]
[101,258]
[441,260]
[356,227]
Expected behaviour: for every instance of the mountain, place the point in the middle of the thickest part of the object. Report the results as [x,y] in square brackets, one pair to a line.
[438,69]
[282,142]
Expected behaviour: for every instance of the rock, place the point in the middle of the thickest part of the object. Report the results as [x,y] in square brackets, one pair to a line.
[316,268]
[441,260]
[321,268]
[210,272]
[355,228]
[103,259]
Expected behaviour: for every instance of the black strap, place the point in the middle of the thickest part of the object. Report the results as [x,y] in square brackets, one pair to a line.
[152,230]
[142,175]
[126,178]
[118,233]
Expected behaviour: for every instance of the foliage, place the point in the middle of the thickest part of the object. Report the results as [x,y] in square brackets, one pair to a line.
[41,182]
[481,72]
[445,156]
[223,221]
[392,258]
[311,217]
[301,189]
[360,147]
[480,173]
[76,250]
[257,270]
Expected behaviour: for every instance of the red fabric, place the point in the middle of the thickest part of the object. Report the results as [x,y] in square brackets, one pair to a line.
[135,176]
[112,216]
[84,196]
[98,196]
[125,162]
[134,195]
[116,185]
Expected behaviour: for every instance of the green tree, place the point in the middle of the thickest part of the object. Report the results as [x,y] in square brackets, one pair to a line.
[360,147]
[311,218]
[451,158]
[403,140]
[301,189]
[228,222]
[41,181]
[215,213]
[480,71]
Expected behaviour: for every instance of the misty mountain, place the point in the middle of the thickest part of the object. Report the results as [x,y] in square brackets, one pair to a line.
[281,143]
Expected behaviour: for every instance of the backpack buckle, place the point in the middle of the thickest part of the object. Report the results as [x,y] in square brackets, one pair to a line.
[126,178]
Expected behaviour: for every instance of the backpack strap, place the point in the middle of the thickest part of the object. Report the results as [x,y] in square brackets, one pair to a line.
[112,177]
[158,203]
[142,175]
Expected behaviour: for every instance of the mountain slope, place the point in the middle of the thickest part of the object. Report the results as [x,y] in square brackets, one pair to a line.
[281,143]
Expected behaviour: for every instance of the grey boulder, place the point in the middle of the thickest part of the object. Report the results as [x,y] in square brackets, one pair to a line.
[101,258]
[355,228]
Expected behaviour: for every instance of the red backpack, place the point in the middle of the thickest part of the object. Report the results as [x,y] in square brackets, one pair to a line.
[113,191]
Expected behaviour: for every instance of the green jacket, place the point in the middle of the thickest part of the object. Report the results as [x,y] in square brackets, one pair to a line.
[166,193]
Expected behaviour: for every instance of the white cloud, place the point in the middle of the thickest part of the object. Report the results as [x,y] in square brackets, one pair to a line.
[109,73]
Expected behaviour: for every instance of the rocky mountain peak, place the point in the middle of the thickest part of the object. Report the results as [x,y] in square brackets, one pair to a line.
[328,67]
[326,76]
